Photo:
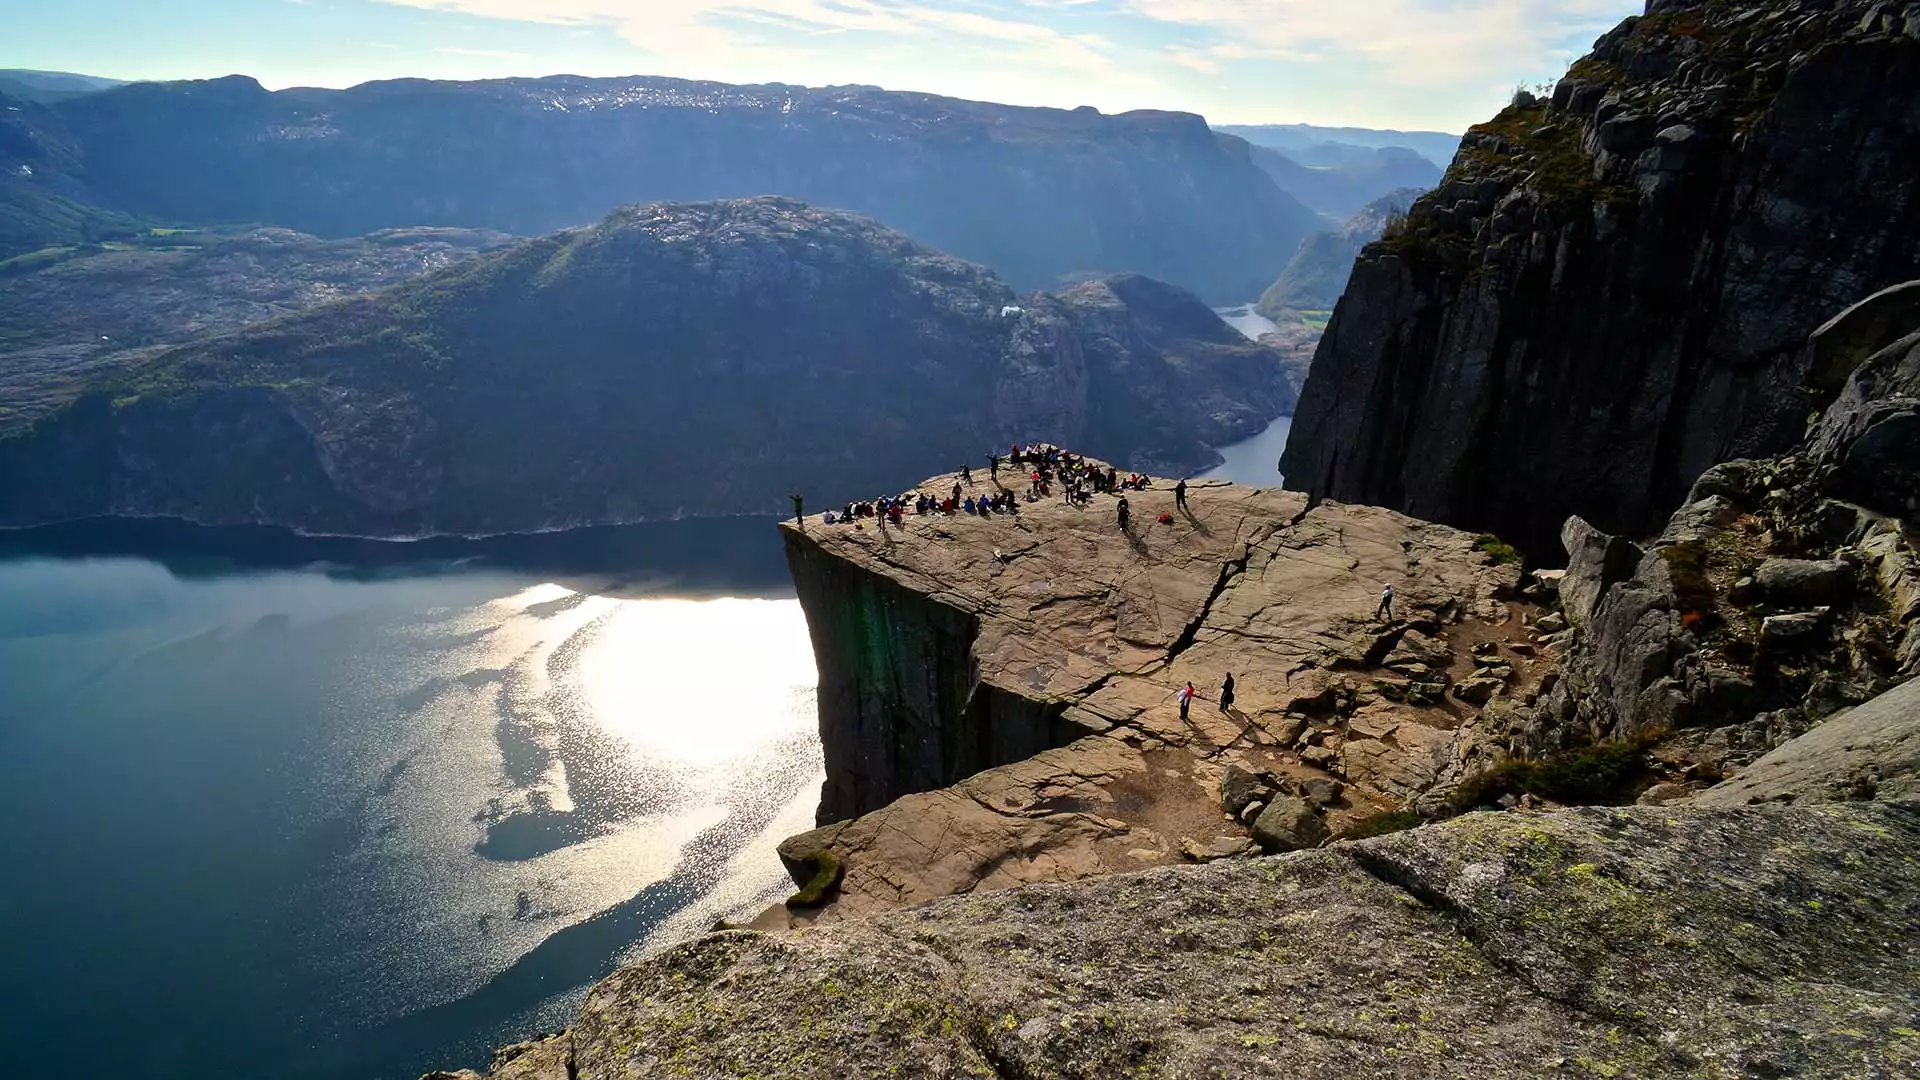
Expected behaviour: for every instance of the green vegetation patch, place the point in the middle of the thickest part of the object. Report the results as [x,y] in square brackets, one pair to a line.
[823,879]
[1317,319]
[1499,550]
[1604,774]
[36,260]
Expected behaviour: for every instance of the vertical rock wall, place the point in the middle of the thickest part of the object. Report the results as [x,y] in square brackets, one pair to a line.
[902,705]
[1610,291]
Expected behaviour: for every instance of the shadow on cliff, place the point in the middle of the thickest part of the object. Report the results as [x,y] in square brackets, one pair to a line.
[575,957]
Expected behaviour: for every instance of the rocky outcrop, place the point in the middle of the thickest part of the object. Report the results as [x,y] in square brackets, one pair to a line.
[1871,751]
[673,361]
[1784,590]
[1765,941]
[952,649]
[1039,195]
[1612,288]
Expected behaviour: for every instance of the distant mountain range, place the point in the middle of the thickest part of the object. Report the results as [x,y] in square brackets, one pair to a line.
[673,360]
[1042,196]
[1357,178]
[1307,142]
[46,87]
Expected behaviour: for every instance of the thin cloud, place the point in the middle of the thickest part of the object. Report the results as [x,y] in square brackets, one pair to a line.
[1431,59]
[455,50]
[736,29]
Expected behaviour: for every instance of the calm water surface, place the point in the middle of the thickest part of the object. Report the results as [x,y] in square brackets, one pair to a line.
[1248,321]
[1256,461]
[262,816]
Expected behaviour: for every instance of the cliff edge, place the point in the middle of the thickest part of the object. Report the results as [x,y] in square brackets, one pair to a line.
[999,696]
[1610,290]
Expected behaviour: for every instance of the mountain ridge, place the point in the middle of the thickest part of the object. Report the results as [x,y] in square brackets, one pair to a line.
[1040,195]
[551,383]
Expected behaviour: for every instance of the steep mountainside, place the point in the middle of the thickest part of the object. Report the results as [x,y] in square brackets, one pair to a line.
[1317,274]
[675,360]
[42,203]
[1612,289]
[1342,188]
[70,315]
[1039,195]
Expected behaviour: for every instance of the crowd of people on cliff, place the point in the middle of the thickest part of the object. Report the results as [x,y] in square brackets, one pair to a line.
[1043,468]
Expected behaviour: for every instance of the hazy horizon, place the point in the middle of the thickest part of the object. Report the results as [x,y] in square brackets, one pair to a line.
[1410,65]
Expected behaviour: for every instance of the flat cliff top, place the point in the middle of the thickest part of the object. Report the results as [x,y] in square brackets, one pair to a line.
[1107,626]
[1643,942]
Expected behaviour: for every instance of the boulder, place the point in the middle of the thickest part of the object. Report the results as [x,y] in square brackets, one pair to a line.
[1869,438]
[1289,824]
[1595,561]
[1785,629]
[1664,793]
[1733,481]
[1479,690]
[1238,787]
[1839,346]
[1321,790]
[1804,582]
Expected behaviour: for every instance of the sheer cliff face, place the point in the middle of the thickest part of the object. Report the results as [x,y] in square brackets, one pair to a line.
[1611,290]
[1036,194]
[673,361]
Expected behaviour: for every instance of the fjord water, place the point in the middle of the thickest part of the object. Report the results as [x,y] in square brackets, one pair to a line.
[1254,461]
[267,817]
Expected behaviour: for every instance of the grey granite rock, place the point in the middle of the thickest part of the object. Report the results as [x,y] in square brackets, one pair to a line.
[1649,942]
[1804,581]
[1869,751]
[1581,318]
[1289,824]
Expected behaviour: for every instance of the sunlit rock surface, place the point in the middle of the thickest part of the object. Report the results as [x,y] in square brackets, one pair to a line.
[999,697]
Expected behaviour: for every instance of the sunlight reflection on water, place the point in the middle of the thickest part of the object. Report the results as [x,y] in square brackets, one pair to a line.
[367,827]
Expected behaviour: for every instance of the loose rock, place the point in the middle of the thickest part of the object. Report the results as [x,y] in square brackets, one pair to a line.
[1289,824]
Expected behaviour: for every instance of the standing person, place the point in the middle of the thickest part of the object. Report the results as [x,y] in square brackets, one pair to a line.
[1386,604]
[1226,693]
[1186,700]
[1180,494]
[956,491]
[993,463]
[966,474]
[1124,511]
[798,518]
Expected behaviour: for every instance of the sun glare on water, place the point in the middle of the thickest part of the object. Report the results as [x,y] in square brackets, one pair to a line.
[700,682]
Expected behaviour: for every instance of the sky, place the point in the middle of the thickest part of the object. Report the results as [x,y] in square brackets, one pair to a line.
[1406,64]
